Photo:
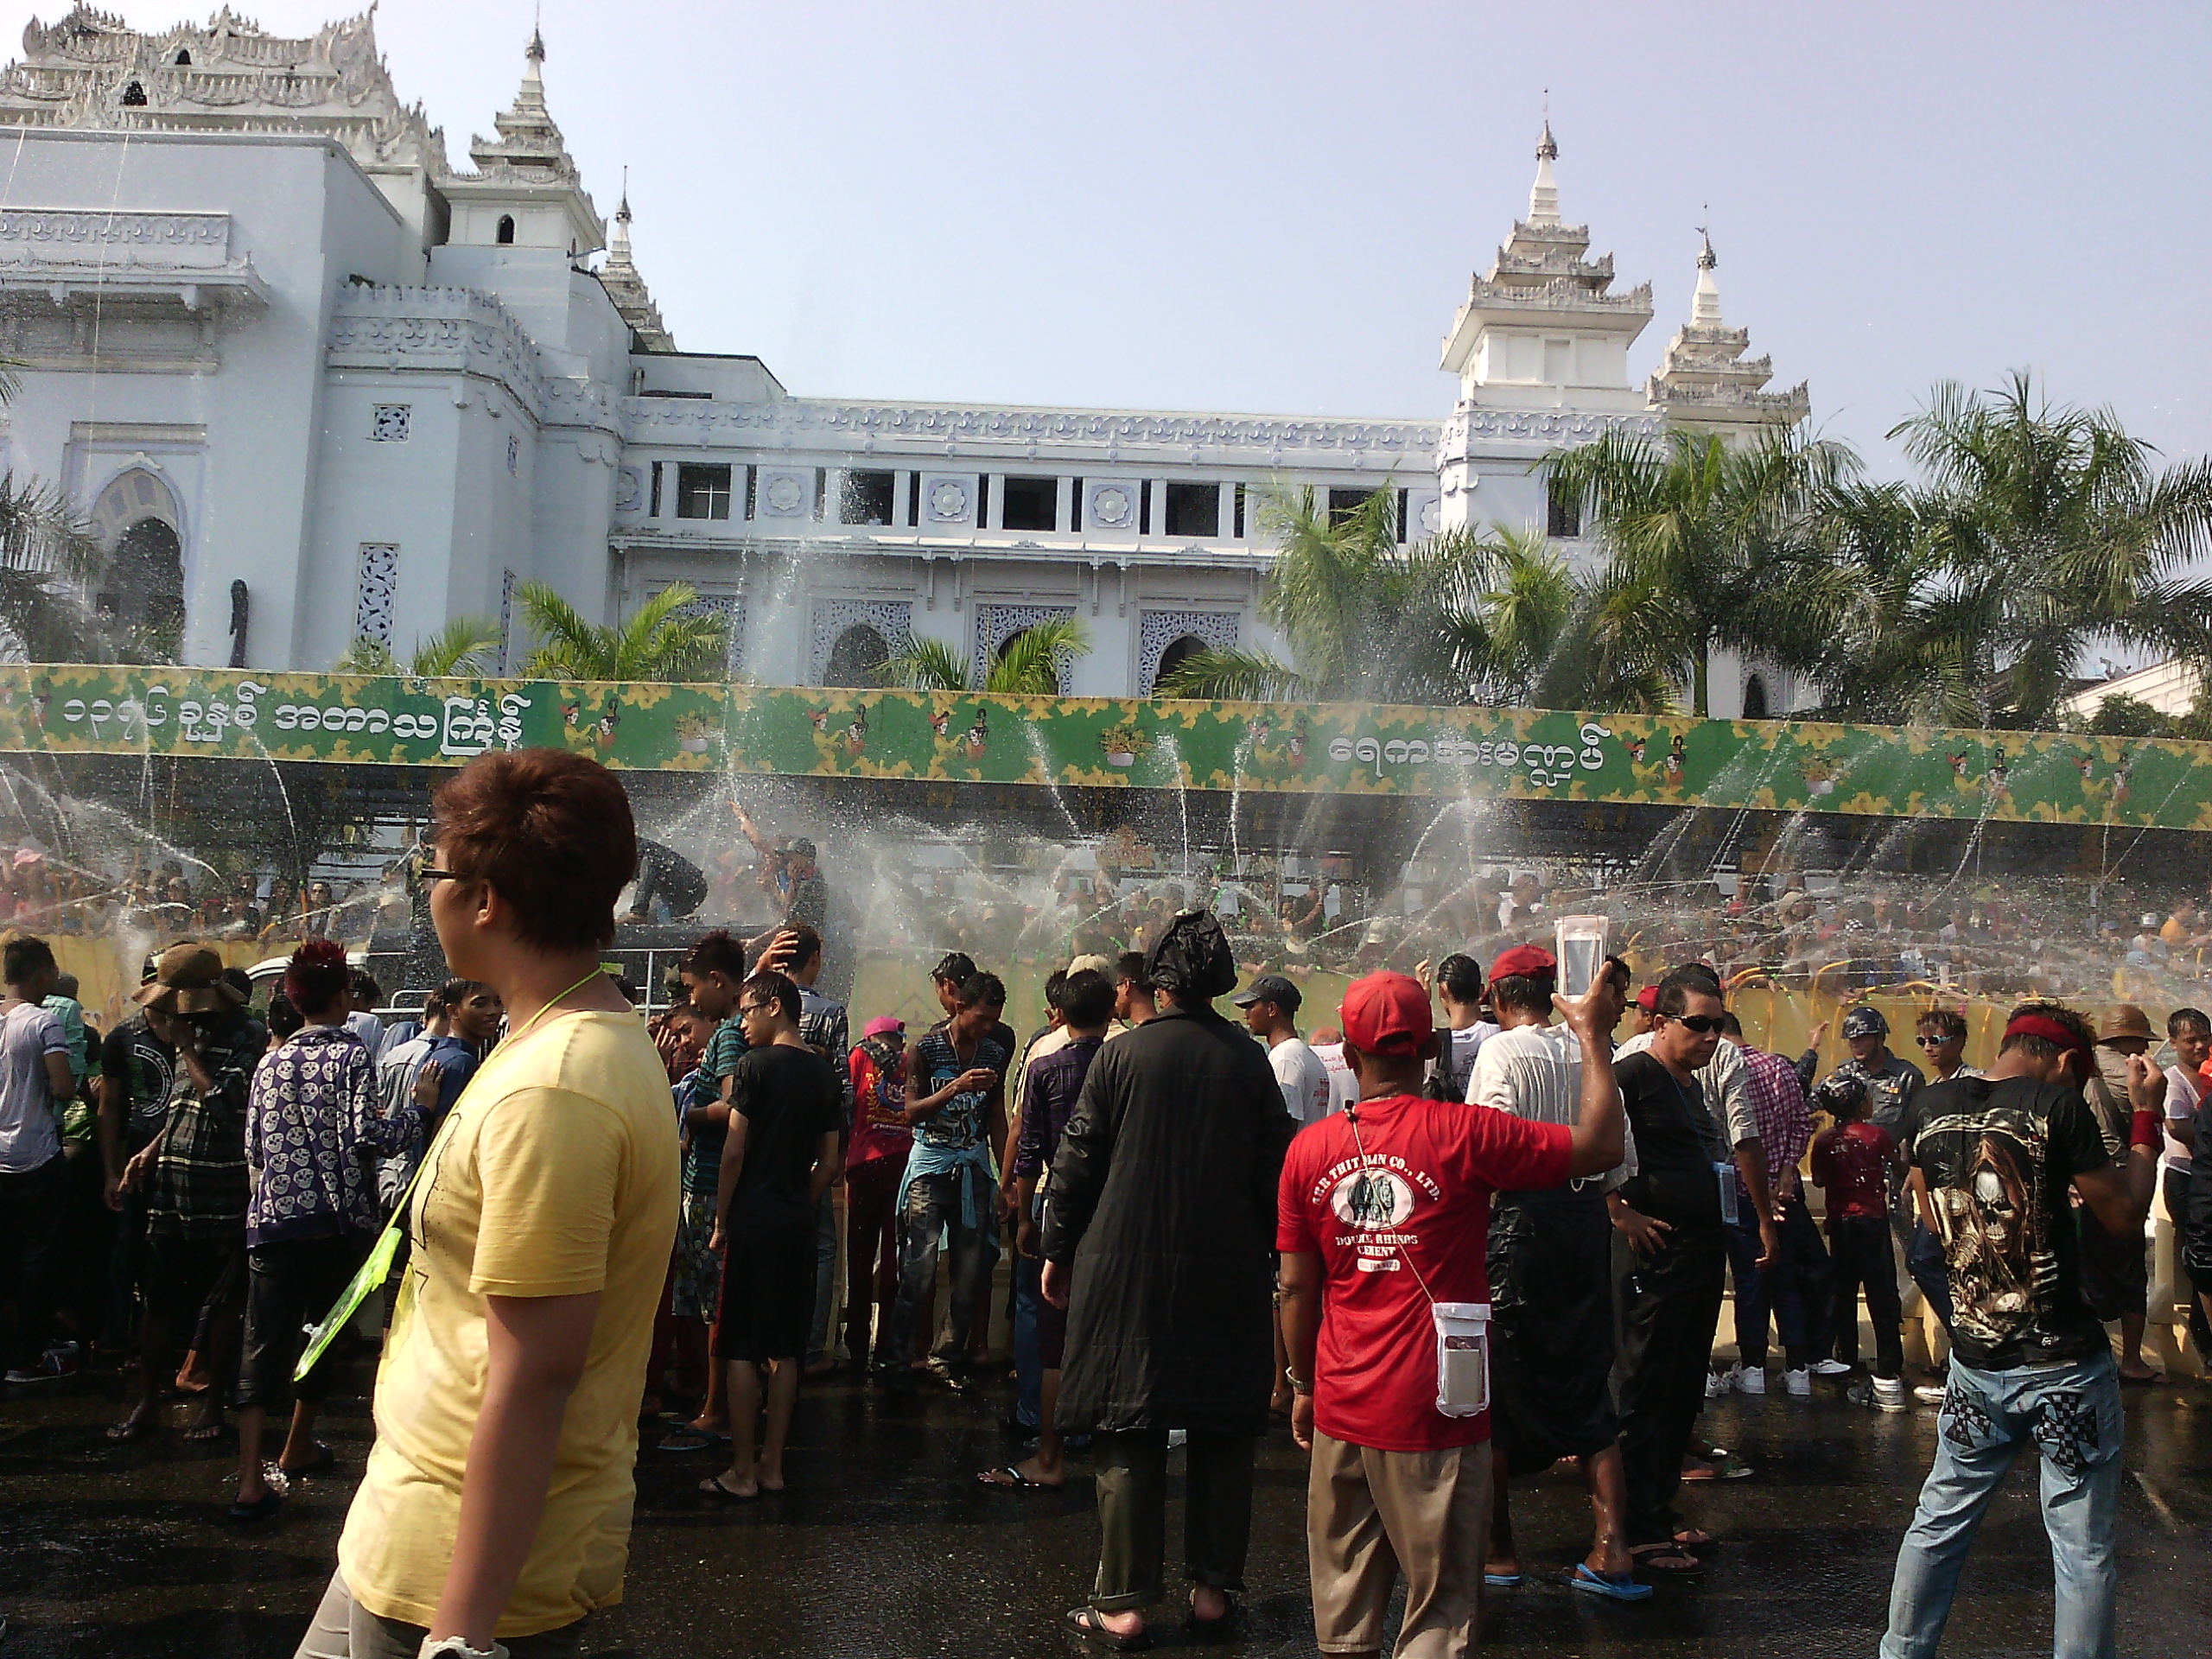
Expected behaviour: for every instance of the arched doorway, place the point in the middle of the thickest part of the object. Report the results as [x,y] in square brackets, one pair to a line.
[1178,652]
[142,587]
[857,658]
[1755,698]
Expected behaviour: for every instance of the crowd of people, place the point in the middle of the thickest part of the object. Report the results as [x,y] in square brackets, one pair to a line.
[1455,1233]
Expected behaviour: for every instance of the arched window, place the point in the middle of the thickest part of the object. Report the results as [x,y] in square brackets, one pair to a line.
[1178,652]
[505,233]
[134,96]
[857,658]
[183,59]
[1755,701]
[143,585]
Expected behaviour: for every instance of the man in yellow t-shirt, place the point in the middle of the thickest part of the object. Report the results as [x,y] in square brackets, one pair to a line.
[495,1513]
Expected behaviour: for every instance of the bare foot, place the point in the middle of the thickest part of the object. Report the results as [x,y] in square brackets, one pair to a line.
[703,1424]
[1611,1562]
[1122,1625]
[1208,1604]
[1502,1567]
[1032,1473]
[771,1482]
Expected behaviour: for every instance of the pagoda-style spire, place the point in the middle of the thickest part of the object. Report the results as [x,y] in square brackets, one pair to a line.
[620,278]
[527,170]
[1706,381]
[1543,195]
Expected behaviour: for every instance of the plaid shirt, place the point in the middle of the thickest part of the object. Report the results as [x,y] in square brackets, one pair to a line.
[200,1186]
[1778,1103]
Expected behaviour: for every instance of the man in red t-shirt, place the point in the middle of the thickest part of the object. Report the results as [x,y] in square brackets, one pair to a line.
[1383,1210]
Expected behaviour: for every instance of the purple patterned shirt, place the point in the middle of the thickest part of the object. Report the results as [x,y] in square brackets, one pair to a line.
[313,1134]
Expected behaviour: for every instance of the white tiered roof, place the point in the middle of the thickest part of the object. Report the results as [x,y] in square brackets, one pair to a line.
[1705,380]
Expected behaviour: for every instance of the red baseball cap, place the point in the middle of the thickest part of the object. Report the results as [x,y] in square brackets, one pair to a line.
[1524,961]
[1648,999]
[1386,1013]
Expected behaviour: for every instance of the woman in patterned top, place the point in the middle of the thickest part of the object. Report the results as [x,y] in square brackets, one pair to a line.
[313,1133]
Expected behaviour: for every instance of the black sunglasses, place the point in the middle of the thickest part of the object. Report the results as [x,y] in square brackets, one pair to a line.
[1700,1023]
[428,874]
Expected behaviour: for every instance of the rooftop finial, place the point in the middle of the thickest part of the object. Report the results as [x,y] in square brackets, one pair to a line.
[1705,303]
[622,212]
[1543,196]
[535,50]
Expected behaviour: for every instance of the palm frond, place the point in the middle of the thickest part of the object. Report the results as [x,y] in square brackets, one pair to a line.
[927,665]
[1235,674]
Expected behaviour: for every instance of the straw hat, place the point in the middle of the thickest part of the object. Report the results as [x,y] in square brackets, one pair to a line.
[188,979]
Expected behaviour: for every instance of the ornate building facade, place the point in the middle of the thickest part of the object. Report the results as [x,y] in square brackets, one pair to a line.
[271,336]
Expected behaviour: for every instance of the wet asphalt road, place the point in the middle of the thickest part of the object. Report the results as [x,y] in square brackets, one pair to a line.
[885,1546]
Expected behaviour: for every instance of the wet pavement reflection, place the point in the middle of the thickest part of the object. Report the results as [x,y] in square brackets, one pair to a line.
[886,1546]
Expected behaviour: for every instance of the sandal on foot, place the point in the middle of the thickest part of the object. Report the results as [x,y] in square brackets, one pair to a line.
[132,1428]
[690,1440]
[1008,1478]
[1691,1538]
[711,1487]
[322,1463]
[1083,1624]
[1504,1580]
[1226,1628]
[1614,1586]
[1671,1559]
[267,1504]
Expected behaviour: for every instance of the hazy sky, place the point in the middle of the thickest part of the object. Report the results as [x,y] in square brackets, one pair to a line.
[1228,205]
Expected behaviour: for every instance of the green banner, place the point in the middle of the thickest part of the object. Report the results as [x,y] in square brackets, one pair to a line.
[1095,742]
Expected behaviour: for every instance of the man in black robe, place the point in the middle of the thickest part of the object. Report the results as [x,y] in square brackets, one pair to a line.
[1159,1230]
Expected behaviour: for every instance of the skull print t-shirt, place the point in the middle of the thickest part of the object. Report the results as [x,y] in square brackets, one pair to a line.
[1999,1159]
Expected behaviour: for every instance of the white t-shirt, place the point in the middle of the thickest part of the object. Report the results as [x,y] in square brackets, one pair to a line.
[29,1136]
[1457,1061]
[1536,1072]
[2182,1099]
[1304,1079]
[1343,1087]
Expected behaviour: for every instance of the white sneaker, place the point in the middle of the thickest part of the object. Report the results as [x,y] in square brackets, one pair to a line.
[1717,1384]
[1889,1393]
[1829,1368]
[1931,1394]
[1799,1382]
[1745,1380]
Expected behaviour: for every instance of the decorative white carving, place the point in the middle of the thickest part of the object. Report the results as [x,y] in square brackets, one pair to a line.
[390,422]
[629,488]
[893,619]
[1157,630]
[378,584]
[996,623]
[781,494]
[949,501]
[1112,506]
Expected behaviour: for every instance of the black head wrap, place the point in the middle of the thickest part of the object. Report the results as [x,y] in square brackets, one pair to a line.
[1192,958]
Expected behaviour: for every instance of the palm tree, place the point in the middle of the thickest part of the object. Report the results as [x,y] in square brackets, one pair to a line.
[663,640]
[464,645]
[1027,664]
[1366,620]
[47,562]
[2046,529]
[1712,538]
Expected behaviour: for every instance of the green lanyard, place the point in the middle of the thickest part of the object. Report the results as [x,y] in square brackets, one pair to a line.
[377,1268]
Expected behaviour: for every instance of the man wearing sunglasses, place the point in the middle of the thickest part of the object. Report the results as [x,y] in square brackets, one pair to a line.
[1669,1285]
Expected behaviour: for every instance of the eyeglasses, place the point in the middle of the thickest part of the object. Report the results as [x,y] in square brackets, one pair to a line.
[1938,1042]
[429,875]
[1700,1023]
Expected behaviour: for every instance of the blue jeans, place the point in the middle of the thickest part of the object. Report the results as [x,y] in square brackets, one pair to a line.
[1794,1288]
[2072,1416]
[821,1342]
[1028,1358]
[1923,1260]
[931,1208]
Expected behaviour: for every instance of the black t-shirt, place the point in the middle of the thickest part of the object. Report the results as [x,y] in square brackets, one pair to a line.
[1998,1159]
[1673,1182]
[145,1064]
[788,1097]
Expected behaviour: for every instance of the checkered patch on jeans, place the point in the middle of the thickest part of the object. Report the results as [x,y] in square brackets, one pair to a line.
[2066,1430]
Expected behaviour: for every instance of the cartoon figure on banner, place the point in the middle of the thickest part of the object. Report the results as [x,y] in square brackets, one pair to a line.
[1672,765]
[856,732]
[979,736]
[610,718]
[2000,778]
[1962,779]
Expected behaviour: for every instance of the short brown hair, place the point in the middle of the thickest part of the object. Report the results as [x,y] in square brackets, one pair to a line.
[551,831]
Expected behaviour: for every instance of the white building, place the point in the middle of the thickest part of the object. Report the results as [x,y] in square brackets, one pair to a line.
[272,337]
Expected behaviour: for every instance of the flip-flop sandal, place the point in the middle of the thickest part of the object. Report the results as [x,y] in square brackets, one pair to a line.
[1671,1559]
[1014,1480]
[1614,1586]
[322,1463]
[132,1428]
[711,1487]
[1689,1538]
[692,1439]
[242,1515]
[1083,1624]
[1504,1580]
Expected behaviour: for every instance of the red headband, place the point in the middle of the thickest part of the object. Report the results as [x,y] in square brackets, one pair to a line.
[2038,1025]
